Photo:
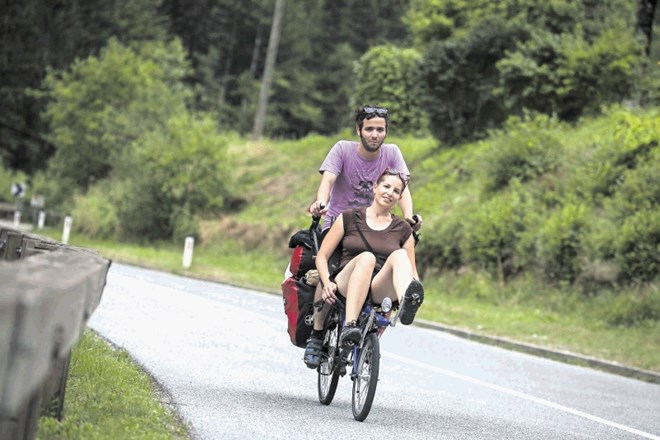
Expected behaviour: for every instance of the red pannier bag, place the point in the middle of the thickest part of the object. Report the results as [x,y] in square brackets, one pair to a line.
[298,297]
[304,245]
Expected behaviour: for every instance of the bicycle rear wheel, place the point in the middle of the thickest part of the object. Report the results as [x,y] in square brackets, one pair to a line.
[366,380]
[328,370]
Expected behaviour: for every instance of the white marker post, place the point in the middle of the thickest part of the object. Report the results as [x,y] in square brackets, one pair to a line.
[188,252]
[17,219]
[42,220]
[68,221]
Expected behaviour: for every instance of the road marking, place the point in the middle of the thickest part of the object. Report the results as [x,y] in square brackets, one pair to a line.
[522,396]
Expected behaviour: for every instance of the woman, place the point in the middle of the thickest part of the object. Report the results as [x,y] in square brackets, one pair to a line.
[378,255]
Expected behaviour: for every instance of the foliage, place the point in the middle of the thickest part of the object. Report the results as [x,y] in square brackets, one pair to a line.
[390,76]
[493,232]
[95,213]
[524,150]
[576,206]
[637,246]
[120,120]
[560,243]
[169,176]
[492,60]
[320,40]
[101,105]
[630,308]
[40,34]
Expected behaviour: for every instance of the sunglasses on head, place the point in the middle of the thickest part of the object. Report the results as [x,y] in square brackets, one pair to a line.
[370,112]
[392,172]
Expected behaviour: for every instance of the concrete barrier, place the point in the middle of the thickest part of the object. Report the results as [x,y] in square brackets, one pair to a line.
[48,291]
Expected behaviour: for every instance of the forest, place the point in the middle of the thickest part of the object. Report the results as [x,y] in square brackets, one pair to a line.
[452,68]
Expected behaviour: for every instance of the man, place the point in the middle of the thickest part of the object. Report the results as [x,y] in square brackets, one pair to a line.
[348,174]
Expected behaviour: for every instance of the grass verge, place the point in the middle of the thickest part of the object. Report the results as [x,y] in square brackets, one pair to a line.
[109,397]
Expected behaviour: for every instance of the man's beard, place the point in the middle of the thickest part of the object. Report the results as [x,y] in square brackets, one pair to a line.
[368,147]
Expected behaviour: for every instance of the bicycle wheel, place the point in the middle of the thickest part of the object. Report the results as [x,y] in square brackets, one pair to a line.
[328,370]
[366,380]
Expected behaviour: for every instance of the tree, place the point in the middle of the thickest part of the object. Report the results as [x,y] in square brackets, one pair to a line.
[496,59]
[645,14]
[100,105]
[37,34]
[390,76]
[269,67]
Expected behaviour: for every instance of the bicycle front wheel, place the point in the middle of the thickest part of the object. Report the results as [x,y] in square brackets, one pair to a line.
[366,379]
[328,370]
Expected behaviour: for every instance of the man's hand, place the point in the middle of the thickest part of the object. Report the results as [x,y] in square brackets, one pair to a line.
[318,208]
[415,221]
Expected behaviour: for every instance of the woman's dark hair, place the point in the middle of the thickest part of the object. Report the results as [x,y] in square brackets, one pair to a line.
[405,178]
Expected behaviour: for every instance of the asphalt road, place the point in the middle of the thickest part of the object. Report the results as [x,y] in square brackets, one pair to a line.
[223,355]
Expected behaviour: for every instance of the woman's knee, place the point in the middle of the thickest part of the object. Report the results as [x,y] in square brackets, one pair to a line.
[399,255]
[366,260]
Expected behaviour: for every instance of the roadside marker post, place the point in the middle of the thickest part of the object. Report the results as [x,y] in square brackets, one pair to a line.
[188,252]
[68,221]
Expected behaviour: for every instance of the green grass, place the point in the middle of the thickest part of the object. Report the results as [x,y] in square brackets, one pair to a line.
[553,319]
[109,397]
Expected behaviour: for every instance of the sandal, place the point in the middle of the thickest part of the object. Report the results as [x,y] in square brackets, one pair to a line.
[412,299]
[313,352]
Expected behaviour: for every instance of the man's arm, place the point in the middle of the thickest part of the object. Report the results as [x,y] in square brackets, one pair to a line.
[406,205]
[328,180]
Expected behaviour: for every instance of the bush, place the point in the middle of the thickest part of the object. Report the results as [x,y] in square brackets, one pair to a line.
[459,75]
[525,150]
[637,246]
[172,176]
[637,189]
[493,232]
[389,76]
[441,250]
[95,213]
[632,308]
[561,242]
[619,144]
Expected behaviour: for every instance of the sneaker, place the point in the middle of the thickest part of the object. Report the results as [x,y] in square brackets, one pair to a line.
[313,352]
[412,299]
[350,335]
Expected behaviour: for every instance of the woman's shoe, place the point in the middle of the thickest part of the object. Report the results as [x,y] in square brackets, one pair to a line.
[412,299]
[313,352]
[350,335]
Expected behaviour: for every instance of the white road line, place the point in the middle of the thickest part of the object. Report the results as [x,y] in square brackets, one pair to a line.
[521,395]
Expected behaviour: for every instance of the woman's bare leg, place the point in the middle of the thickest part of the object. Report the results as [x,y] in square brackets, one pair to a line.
[393,278]
[353,282]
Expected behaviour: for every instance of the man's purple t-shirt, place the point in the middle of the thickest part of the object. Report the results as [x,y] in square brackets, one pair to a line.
[356,176]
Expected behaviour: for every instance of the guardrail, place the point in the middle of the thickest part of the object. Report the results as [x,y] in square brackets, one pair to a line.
[48,291]
[29,215]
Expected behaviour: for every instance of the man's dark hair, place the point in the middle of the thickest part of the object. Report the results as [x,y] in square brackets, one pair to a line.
[369,112]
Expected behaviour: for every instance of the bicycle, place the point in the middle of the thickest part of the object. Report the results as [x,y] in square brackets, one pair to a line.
[363,357]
